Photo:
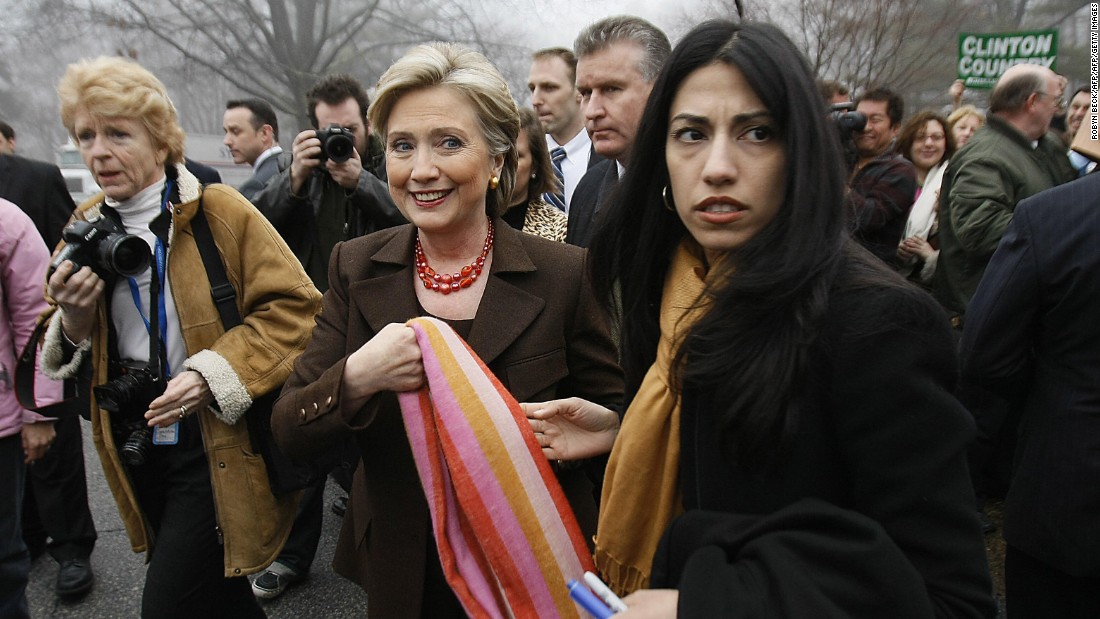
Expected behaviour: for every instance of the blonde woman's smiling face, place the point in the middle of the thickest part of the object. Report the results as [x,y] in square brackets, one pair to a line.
[438,161]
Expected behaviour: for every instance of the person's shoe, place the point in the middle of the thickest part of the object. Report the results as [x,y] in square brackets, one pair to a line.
[987,524]
[74,578]
[272,582]
[340,506]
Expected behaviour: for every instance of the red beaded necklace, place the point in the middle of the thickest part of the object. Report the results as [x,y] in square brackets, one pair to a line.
[446,283]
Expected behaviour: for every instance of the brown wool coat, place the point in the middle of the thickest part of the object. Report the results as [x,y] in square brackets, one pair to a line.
[539,330]
[277,302]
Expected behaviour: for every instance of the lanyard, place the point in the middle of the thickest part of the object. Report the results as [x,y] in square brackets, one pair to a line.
[160,253]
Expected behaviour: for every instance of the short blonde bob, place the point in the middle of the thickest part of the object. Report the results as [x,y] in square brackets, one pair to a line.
[113,87]
[470,74]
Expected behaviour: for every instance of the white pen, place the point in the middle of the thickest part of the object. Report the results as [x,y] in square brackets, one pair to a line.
[607,595]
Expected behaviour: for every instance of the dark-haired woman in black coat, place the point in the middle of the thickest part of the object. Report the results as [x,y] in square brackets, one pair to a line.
[792,447]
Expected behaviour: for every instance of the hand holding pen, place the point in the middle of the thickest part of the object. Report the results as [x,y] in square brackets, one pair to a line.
[600,602]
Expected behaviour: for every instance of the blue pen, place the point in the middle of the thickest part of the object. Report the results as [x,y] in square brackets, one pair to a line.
[588,600]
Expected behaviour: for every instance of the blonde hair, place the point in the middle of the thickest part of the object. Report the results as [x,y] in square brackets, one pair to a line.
[962,112]
[470,74]
[114,87]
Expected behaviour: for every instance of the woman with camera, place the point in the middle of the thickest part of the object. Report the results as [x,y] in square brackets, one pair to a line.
[171,385]
[792,447]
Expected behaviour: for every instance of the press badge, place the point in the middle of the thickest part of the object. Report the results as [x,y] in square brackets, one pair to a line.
[167,436]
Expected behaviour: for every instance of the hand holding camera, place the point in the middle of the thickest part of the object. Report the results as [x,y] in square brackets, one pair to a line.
[94,251]
[332,147]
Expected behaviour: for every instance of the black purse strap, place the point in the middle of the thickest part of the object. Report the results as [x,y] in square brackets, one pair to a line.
[25,374]
[225,296]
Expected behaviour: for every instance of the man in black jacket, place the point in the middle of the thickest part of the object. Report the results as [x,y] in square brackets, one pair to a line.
[316,201]
[55,503]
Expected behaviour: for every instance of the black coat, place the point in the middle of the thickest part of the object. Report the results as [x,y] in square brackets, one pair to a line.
[39,189]
[588,200]
[1032,336]
[871,514]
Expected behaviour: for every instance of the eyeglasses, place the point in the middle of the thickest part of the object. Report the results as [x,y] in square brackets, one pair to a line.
[1060,102]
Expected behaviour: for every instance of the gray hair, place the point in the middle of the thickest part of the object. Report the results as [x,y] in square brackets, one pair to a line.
[602,34]
[1011,95]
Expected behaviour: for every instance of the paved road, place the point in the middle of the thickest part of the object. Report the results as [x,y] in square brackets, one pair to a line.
[120,573]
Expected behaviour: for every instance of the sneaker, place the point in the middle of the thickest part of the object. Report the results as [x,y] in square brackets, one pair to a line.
[988,526]
[274,580]
[340,505]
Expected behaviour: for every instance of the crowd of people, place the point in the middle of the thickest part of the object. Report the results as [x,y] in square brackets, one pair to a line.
[737,349]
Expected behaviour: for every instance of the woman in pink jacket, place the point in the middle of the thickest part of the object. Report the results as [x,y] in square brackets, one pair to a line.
[24,436]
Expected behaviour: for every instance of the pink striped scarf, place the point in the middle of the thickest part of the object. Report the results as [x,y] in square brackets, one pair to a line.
[507,538]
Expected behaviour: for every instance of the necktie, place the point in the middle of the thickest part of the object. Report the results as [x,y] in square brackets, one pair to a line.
[557,199]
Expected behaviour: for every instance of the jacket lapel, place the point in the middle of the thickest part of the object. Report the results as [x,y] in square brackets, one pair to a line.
[389,297]
[506,310]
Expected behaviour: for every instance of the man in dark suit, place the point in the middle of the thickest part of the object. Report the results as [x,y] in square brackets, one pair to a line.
[206,174]
[39,189]
[252,137]
[555,98]
[1031,335]
[618,59]
[55,504]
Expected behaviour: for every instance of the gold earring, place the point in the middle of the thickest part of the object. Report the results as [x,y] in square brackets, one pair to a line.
[668,203]
[494,182]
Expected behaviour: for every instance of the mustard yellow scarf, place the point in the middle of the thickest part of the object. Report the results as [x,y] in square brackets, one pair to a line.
[641,492]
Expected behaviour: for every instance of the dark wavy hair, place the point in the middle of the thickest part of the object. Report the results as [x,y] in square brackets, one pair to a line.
[766,303]
[915,126]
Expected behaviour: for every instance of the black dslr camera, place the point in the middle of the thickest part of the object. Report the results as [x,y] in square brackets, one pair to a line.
[126,398]
[848,122]
[337,143]
[846,117]
[104,246]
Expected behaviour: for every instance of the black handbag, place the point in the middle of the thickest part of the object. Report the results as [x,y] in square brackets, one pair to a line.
[284,474]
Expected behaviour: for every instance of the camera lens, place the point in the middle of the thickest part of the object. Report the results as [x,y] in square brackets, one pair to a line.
[135,451]
[338,147]
[126,254]
[113,395]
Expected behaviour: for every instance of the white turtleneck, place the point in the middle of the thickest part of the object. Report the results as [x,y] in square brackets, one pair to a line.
[133,339]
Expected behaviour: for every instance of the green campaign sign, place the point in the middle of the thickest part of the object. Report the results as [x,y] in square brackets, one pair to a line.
[984,57]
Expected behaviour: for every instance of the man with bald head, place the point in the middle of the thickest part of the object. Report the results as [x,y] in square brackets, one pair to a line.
[1014,156]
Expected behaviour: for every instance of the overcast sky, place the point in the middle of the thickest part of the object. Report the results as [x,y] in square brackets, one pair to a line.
[559,21]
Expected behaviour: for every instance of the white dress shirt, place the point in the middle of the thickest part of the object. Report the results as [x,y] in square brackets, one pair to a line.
[575,163]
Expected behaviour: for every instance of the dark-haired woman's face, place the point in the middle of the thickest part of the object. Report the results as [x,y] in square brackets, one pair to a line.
[726,161]
[929,146]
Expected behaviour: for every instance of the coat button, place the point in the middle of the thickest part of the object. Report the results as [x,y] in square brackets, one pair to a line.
[221,465]
[179,211]
[328,402]
[237,571]
[315,407]
[302,414]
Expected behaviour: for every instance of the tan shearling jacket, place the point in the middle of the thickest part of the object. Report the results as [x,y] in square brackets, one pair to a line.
[277,303]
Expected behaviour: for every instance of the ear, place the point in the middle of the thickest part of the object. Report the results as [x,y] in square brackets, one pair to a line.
[498,164]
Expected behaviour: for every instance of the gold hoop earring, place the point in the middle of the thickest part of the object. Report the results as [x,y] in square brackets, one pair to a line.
[494,182]
[668,203]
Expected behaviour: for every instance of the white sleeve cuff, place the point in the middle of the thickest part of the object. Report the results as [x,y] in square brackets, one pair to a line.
[229,392]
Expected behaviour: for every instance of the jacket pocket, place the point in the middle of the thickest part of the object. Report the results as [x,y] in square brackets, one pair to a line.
[536,378]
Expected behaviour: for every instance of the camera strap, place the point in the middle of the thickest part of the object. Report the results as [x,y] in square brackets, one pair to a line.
[25,375]
[157,323]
